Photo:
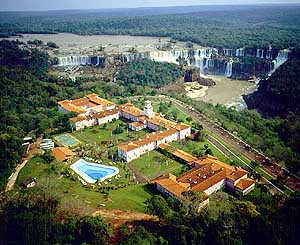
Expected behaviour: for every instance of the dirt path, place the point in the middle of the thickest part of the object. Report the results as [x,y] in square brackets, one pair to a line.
[32,152]
[119,217]
[13,178]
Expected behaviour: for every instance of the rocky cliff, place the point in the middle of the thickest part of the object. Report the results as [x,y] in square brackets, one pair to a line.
[280,93]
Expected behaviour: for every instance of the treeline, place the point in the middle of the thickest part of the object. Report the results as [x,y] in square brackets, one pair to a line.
[256,219]
[34,220]
[231,28]
[28,103]
[149,73]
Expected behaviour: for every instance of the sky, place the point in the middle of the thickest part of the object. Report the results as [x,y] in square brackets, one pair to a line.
[11,5]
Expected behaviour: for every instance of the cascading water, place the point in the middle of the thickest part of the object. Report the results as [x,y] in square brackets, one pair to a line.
[208,60]
[76,60]
[228,52]
[240,52]
[228,71]
[258,53]
[281,58]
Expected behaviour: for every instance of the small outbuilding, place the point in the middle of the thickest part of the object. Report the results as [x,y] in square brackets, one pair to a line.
[29,182]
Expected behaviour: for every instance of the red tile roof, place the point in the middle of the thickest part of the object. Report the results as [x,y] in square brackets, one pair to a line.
[137,124]
[147,139]
[62,153]
[178,153]
[243,184]
[170,183]
[80,105]
[202,178]
[101,114]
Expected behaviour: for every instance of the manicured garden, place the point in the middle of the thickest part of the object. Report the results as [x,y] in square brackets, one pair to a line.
[110,134]
[154,163]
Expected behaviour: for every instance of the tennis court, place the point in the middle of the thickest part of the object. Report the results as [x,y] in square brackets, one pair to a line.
[67,140]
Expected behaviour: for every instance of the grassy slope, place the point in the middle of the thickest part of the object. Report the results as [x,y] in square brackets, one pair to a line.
[74,193]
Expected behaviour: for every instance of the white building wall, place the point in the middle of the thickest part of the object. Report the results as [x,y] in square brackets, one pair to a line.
[215,187]
[203,204]
[96,109]
[184,133]
[165,192]
[107,119]
[246,191]
[78,125]
[129,116]
[139,128]
[110,107]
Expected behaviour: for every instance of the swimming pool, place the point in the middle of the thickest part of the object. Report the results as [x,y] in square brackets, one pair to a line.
[67,140]
[92,172]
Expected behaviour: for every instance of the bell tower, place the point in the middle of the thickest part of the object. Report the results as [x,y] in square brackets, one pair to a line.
[148,109]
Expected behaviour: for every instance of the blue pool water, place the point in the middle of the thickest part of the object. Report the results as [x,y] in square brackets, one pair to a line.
[92,172]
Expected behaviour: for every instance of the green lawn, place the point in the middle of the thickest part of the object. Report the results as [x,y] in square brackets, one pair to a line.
[58,180]
[154,163]
[172,110]
[100,134]
[34,168]
[131,198]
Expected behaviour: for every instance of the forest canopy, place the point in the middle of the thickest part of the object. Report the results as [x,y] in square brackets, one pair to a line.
[149,73]
[248,26]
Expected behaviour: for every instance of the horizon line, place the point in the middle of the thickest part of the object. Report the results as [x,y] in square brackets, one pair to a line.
[171,6]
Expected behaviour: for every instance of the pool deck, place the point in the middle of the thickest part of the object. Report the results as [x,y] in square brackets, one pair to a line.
[88,178]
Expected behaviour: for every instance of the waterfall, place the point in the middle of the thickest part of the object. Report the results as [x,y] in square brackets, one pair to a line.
[269,54]
[262,54]
[76,60]
[258,53]
[281,58]
[240,52]
[228,52]
[228,71]
[192,57]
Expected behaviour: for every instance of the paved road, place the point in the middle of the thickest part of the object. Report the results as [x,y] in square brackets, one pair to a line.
[271,167]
